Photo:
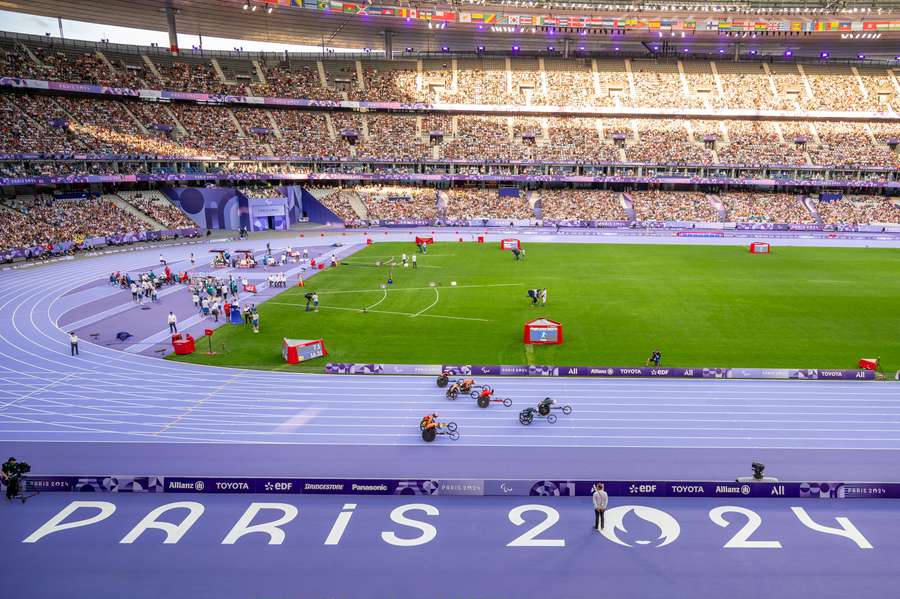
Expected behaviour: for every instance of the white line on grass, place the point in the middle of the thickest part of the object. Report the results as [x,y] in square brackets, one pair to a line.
[376,303]
[382,312]
[420,288]
[437,298]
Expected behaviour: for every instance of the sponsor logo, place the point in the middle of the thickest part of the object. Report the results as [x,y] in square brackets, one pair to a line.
[630,371]
[177,485]
[669,529]
[688,489]
[199,485]
[323,487]
[777,490]
[641,489]
[659,372]
[278,486]
[732,490]
[381,488]
[231,486]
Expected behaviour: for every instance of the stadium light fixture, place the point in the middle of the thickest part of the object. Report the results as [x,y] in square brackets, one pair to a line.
[253,8]
[479,49]
[616,48]
[445,49]
[721,50]
[246,5]
[551,48]
[823,55]
[788,53]
[752,52]
[408,49]
[861,56]
[515,48]
[269,10]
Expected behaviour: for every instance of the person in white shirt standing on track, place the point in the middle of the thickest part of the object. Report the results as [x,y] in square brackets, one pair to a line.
[601,499]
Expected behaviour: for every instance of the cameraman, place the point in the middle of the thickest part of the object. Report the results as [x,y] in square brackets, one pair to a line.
[10,474]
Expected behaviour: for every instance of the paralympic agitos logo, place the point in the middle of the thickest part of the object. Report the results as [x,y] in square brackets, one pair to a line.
[640,516]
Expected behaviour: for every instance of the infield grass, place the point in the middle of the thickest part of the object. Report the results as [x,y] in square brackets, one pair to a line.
[703,306]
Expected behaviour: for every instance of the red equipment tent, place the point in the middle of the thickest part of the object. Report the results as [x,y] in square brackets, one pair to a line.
[510,244]
[421,240]
[760,247]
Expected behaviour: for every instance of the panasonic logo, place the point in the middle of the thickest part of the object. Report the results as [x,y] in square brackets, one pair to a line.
[369,488]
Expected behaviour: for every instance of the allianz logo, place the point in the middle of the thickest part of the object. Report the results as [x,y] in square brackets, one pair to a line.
[735,490]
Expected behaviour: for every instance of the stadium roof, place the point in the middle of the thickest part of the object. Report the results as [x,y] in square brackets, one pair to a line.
[849,28]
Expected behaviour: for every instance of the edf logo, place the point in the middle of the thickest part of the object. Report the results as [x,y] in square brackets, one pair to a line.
[279,486]
[638,489]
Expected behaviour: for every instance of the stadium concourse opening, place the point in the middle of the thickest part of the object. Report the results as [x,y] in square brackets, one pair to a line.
[641,257]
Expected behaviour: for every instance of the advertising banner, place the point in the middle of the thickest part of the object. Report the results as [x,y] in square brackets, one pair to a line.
[599,371]
[462,487]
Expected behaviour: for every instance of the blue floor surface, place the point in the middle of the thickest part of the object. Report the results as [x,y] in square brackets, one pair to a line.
[661,548]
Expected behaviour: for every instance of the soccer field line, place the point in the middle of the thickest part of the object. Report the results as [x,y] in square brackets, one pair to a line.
[384,297]
[437,298]
[386,312]
[418,288]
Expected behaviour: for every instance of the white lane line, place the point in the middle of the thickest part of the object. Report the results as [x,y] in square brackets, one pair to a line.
[384,297]
[437,298]
[385,312]
[44,388]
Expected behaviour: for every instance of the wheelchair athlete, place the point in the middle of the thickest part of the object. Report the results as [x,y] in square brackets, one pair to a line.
[429,421]
[467,385]
[544,407]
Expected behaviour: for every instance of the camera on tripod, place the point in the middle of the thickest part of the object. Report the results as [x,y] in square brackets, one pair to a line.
[17,469]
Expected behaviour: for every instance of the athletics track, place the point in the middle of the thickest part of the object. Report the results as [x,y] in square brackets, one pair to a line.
[130,412]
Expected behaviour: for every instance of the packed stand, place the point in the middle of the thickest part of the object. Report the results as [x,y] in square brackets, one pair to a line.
[46,222]
[155,205]
[386,202]
[581,204]
[860,210]
[765,208]
[655,205]
[469,204]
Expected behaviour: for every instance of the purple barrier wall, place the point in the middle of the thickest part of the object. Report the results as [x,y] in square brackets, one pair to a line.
[212,207]
[458,487]
[600,371]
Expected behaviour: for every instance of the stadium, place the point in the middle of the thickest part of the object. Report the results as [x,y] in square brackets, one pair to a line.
[374,299]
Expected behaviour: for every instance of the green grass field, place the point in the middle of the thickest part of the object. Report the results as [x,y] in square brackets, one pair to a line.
[713,306]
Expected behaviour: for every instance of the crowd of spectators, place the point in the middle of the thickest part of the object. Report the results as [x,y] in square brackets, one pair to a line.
[155,205]
[560,83]
[385,202]
[860,210]
[656,205]
[45,221]
[765,208]
[581,204]
[468,204]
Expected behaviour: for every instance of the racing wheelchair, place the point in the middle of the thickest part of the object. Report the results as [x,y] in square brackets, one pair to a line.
[429,434]
[543,410]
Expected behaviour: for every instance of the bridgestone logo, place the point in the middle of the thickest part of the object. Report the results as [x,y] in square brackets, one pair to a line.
[323,487]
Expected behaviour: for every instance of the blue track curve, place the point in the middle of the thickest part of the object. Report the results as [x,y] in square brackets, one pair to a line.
[112,411]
